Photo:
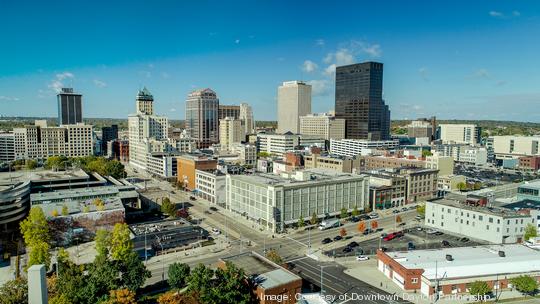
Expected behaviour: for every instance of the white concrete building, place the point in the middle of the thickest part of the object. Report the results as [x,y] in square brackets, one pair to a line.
[322,125]
[495,225]
[247,153]
[354,147]
[445,164]
[294,100]
[277,144]
[274,202]
[7,147]
[473,155]
[506,147]
[210,185]
[246,115]
[460,133]
[41,141]
[231,132]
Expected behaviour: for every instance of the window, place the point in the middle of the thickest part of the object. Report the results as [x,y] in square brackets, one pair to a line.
[414,280]
[487,227]
[480,217]
[491,220]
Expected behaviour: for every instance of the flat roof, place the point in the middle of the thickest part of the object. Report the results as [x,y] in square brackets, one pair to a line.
[275,278]
[495,211]
[535,184]
[74,193]
[40,175]
[468,262]
[318,175]
[76,207]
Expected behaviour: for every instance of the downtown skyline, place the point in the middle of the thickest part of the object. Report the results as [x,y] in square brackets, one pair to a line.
[455,62]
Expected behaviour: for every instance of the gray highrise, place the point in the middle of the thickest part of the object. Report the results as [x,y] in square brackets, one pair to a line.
[69,107]
[359,101]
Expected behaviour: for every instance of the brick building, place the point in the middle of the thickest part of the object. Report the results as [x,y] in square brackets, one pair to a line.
[186,166]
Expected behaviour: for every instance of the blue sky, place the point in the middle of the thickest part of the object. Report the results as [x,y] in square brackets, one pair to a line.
[453,59]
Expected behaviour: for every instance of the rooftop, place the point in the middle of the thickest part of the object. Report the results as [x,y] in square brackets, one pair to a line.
[535,184]
[275,278]
[299,177]
[495,211]
[10,178]
[75,193]
[470,261]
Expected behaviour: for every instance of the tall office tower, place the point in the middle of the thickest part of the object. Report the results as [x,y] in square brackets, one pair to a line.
[202,122]
[69,107]
[145,102]
[225,111]
[359,101]
[108,134]
[231,131]
[294,100]
[246,115]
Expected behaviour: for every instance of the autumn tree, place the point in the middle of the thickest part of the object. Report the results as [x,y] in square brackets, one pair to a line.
[314,220]
[120,243]
[35,231]
[343,232]
[421,209]
[121,296]
[274,256]
[361,227]
[374,225]
[398,219]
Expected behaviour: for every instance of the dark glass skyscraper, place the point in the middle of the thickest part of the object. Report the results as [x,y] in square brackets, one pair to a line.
[108,134]
[359,101]
[69,107]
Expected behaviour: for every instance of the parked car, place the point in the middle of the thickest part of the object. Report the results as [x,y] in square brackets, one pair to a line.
[395,211]
[438,233]
[404,209]
[193,198]
[445,243]
[326,241]
[338,237]
[384,249]
[389,237]
[215,231]
[419,228]
[401,224]
[367,231]
[411,246]
[373,216]
[362,258]
[355,219]
[383,235]
[399,233]
[213,208]
[431,231]
[418,218]
[364,217]
[464,240]
[352,244]
[347,249]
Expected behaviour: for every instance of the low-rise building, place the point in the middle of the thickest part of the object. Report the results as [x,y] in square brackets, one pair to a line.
[277,144]
[276,201]
[450,182]
[513,146]
[529,163]
[355,147]
[187,165]
[210,185]
[451,271]
[337,163]
[322,125]
[529,190]
[247,154]
[492,224]
[473,155]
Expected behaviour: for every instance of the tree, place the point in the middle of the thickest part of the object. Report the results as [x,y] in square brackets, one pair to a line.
[344,213]
[479,289]
[274,256]
[301,222]
[103,242]
[398,219]
[35,231]
[421,209]
[59,299]
[174,297]
[86,209]
[14,292]
[121,296]
[361,227]
[65,210]
[54,213]
[314,220]
[462,186]
[477,186]
[167,207]
[115,169]
[121,245]
[426,153]
[200,281]
[70,280]
[374,225]
[31,164]
[134,273]
[530,232]
[100,204]
[232,286]
[56,162]
[101,277]
[343,232]
[263,154]
[355,211]
[178,275]
[525,284]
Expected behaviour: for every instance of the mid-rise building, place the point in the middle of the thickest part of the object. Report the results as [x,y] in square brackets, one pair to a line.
[247,154]
[491,224]
[232,111]
[354,147]
[460,133]
[473,155]
[508,147]
[202,120]
[336,163]
[69,107]
[108,134]
[450,182]
[210,185]
[277,144]
[359,101]
[246,115]
[529,163]
[7,147]
[386,190]
[322,125]
[119,150]
[188,164]
[273,202]
[231,132]
[422,128]
[445,164]
[294,100]
[41,141]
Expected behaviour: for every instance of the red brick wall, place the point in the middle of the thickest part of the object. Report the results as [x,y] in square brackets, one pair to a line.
[407,274]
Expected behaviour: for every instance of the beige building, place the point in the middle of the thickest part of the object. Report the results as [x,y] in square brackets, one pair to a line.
[246,115]
[329,162]
[420,129]
[506,147]
[247,153]
[277,144]
[41,141]
[450,182]
[231,131]
[460,133]
[294,100]
[445,164]
[322,125]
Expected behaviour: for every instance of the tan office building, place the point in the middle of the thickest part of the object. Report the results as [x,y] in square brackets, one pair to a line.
[322,125]
[294,100]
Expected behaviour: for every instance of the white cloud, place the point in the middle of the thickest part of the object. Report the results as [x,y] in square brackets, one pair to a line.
[330,70]
[320,42]
[309,66]
[501,15]
[99,83]
[150,65]
[373,50]
[319,87]
[481,73]
[516,13]
[8,98]
[64,75]
[172,110]
[57,83]
[146,74]
[500,83]
[496,14]
[165,75]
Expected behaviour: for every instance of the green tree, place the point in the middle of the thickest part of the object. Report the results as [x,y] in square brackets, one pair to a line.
[525,284]
[115,169]
[421,209]
[231,286]
[426,153]
[200,281]
[314,220]
[167,207]
[31,164]
[103,242]
[477,186]
[14,292]
[178,275]
[65,210]
[35,231]
[530,232]
[462,186]
[59,299]
[479,289]
[274,256]
[263,154]
[101,277]
[344,213]
[301,222]
[121,245]
[70,280]
[56,162]
[121,296]
[355,211]
[134,273]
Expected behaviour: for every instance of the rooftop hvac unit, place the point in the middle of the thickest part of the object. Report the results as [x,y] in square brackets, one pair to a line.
[502,254]
[449,258]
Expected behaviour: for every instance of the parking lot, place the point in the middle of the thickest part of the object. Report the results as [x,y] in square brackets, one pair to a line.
[419,237]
